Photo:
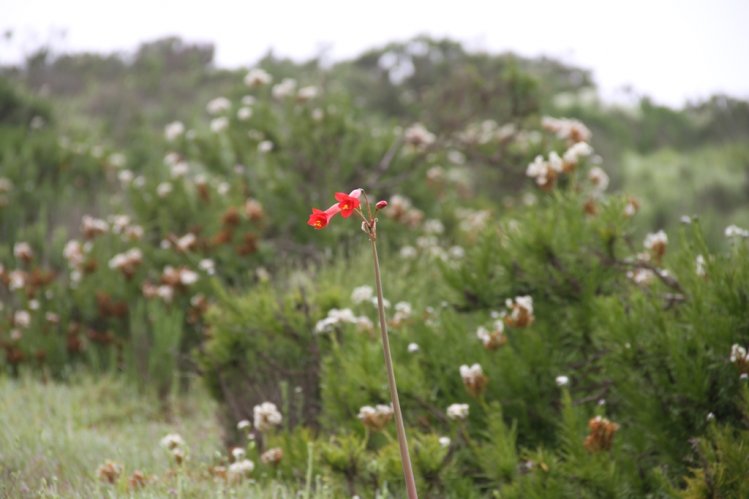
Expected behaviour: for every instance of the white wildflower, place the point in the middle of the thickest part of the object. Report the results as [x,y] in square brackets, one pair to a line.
[257,77]
[163,189]
[362,294]
[266,416]
[218,105]
[562,380]
[172,441]
[457,411]
[244,113]
[736,231]
[174,130]
[219,124]
[265,147]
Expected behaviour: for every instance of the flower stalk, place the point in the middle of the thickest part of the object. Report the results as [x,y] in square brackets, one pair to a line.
[348,204]
[408,473]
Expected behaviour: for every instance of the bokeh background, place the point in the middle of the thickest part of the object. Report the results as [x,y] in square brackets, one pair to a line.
[564,251]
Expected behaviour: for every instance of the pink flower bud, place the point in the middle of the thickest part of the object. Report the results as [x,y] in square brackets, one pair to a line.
[381,204]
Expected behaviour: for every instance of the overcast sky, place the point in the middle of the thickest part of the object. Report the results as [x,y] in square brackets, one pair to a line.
[673,50]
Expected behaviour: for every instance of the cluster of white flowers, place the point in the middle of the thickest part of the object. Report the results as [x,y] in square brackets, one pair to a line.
[474,378]
[492,339]
[23,251]
[641,276]
[92,227]
[562,380]
[285,89]
[545,172]
[127,262]
[179,276]
[266,416]
[571,156]
[173,131]
[403,311]
[418,137]
[218,105]
[128,231]
[257,77]
[244,113]
[599,178]
[238,453]
[176,446]
[375,418]
[186,243]
[272,456]
[306,93]
[457,411]
[239,469]
[472,221]
[265,147]
[566,129]
[521,311]
[736,231]
[75,253]
[22,318]
[218,125]
[208,266]
[171,279]
[655,241]
[362,294]
[177,166]
[738,354]
[336,316]
[163,189]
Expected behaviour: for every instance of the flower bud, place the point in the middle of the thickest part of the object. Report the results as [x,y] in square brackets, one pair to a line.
[381,204]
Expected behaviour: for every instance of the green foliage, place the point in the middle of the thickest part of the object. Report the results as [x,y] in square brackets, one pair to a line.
[588,366]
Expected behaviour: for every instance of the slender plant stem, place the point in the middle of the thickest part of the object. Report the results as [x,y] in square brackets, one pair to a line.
[408,473]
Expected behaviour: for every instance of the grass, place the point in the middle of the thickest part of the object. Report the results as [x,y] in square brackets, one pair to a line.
[53,438]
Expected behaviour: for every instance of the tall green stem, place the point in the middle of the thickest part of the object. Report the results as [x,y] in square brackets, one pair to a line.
[408,473]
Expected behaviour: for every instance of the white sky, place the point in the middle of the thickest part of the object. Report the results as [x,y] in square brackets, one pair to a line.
[669,49]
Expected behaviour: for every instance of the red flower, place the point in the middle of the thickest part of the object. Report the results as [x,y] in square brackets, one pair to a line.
[319,219]
[348,202]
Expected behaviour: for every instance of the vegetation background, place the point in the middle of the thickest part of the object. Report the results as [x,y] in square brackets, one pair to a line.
[157,276]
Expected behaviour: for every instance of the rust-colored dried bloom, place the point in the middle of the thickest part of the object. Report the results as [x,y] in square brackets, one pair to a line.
[590,207]
[601,435]
[230,217]
[521,312]
[272,456]
[109,471]
[137,480]
[254,210]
